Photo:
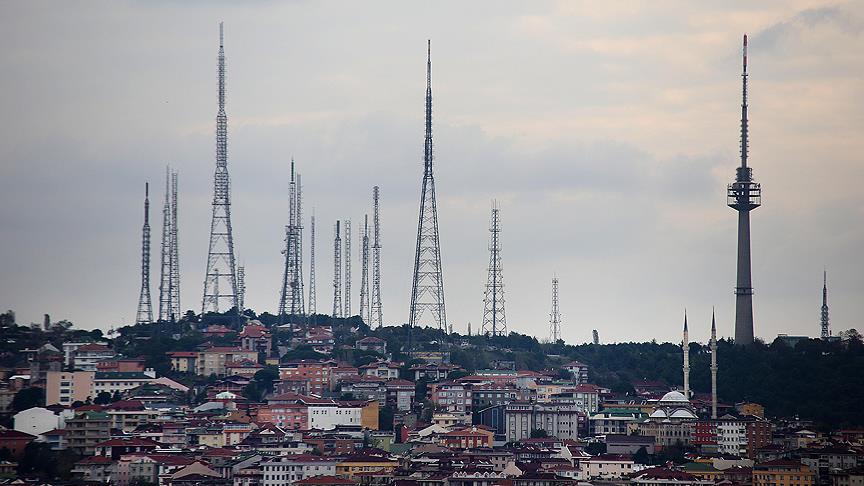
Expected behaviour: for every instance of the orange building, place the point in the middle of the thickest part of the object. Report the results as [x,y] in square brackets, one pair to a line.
[783,472]
[468,438]
[315,373]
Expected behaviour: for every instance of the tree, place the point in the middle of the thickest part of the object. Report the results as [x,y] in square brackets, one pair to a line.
[28,398]
[596,448]
[641,456]
[103,398]
[539,434]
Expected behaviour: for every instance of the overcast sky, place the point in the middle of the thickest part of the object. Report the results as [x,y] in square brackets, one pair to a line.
[607,131]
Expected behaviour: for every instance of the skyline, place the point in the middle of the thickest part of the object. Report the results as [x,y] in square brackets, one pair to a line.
[653,237]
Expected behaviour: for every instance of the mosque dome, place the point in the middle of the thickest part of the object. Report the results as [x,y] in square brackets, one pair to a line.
[674,397]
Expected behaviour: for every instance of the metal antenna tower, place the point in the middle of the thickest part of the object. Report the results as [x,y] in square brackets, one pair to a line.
[494,318]
[337,273]
[174,309]
[291,296]
[221,248]
[744,195]
[427,289]
[241,288]
[347,312]
[312,297]
[145,306]
[826,332]
[555,315]
[165,264]
[375,319]
[298,242]
[713,345]
[364,271]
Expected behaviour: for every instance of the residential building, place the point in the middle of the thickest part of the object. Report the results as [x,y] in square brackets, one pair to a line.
[557,420]
[372,343]
[68,387]
[255,337]
[212,360]
[315,373]
[606,466]
[15,441]
[452,396]
[86,430]
[86,356]
[184,361]
[783,472]
[281,470]
[578,370]
[121,381]
[381,369]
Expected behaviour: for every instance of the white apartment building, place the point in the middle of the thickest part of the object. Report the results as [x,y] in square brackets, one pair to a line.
[282,470]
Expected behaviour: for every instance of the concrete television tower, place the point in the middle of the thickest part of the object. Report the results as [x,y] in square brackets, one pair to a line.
[744,195]
[826,331]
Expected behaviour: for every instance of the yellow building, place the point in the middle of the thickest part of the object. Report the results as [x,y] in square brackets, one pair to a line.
[353,465]
[369,415]
[184,361]
[783,472]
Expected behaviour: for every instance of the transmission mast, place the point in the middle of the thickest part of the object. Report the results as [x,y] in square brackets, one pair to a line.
[221,250]
[291,295]
[337,273]
[312,297]
[375,319]
[298,242]
[241,288]
[427,289]
[826,331]
[145,306]
[494,319]
[174,306]
[165,263]
[364,271]
[555,315]
[347,312]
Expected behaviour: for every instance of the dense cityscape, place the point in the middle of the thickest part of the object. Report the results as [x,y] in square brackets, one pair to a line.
[331,390]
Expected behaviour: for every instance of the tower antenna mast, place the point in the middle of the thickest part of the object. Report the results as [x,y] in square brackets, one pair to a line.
[364,271]
[347,261]
[375,311]
[312,297]
[165,254]
[494,318]
[221,249]
[744,195]
[826,331]
[555,315]
[145,306]
[337,273]
[427,289]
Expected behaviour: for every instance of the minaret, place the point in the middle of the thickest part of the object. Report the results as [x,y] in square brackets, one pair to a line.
[744,195]
[145,306]
[713,366]
[427,289]
[221,251]
[686,347]
[826,332]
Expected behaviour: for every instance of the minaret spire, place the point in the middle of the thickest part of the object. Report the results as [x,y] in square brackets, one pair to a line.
[686,349]
[713,366]
[145,306]
[826,331]
[427,290]
[744,195]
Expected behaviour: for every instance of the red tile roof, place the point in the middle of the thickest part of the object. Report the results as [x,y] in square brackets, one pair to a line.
[325,480]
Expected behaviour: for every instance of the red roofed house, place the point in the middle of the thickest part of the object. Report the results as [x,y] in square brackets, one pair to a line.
[256,337]
[92,469]
[578,370]
[657,476]
[15,441]
[184,361]
[245,367]
[115,448]
[88,355]
[468,438]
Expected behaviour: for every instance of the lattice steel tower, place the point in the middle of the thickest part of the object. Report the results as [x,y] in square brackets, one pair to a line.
[494,318]
[145,306]
[427,289]
[375,317]
[165,294]
[364,271]
[347,276]
[241,288]
[744,195]
[555,315]
[291,295]
[312,297]
[337,273]
[221,250]
[826,331]
[169,279]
